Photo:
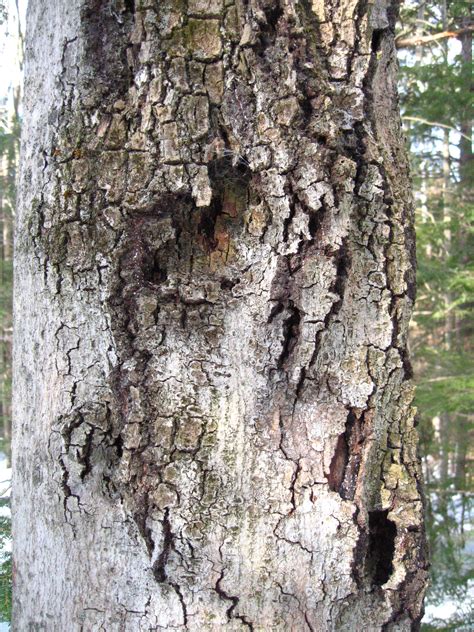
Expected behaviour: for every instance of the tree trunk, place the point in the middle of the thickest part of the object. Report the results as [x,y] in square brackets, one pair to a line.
[214,276]
[465,141]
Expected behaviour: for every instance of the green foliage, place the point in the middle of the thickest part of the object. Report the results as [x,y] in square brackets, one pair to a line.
[5,565]
[452,560]
[436,97]
[437,91]
[442,340]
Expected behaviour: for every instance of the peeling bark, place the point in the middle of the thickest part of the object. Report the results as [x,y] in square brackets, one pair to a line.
[213,409]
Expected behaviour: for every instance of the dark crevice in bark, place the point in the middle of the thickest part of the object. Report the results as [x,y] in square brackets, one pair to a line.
[310,627]
[355,440]
[159,567]
[118,445]
[382,533]
[376,41]
[306,109]
[268,30]
[130,5]
[84,456]
[343,262]
[338,464]
[235,600]
[179,593]
[140,519]
[275,311]
[359,551]
[65,482]
[231,171]
[155,273]
[345,464]
[207,224]
[291,327]
[289,219]
[294,479]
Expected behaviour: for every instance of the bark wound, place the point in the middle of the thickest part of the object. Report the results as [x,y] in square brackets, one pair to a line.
[338,464]
[230,191]
[345,464]
[382,533]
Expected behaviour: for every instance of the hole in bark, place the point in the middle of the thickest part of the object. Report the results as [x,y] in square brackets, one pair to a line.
[130,6]
[232,170]
[118,445]
[154,272]
[230,179]
[382,532]
[228,284]
[306,110]
[207,224]
[377,37]
[314,223]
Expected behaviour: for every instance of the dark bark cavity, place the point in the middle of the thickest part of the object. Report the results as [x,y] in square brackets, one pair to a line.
[382,533]
[338,464]
[345,464]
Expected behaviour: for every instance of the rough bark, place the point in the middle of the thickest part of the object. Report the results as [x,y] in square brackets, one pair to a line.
[214,277]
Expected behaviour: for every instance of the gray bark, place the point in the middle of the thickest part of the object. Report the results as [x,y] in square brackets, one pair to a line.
[214,276]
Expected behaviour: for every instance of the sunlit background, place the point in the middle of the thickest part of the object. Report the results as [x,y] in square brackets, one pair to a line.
[434,41]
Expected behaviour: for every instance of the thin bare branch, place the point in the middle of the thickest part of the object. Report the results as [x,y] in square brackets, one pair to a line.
[417,119]
[410,42]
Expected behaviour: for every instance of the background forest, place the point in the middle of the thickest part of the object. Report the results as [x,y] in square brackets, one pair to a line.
[436,90]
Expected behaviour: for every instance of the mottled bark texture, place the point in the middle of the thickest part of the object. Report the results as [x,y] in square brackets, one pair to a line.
[214,278]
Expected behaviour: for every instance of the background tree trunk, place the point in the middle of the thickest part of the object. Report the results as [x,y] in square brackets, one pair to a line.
[215,272]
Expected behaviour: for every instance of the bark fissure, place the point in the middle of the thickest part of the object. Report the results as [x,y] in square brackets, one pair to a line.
[234,603]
